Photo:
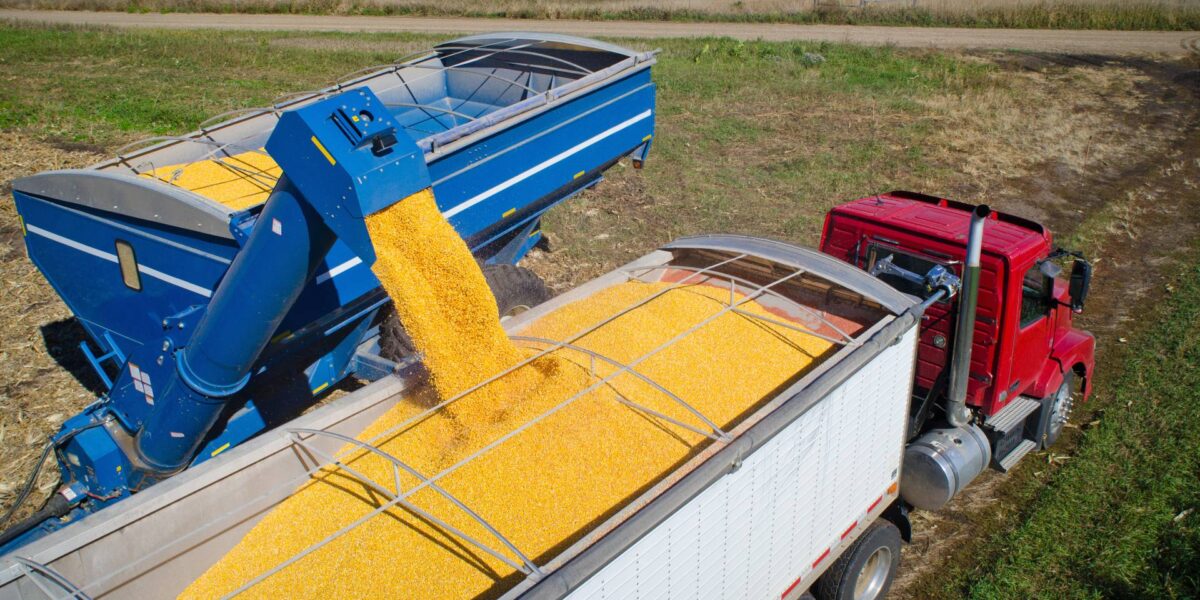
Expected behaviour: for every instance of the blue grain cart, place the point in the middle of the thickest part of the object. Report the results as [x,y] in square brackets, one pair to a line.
[503,126]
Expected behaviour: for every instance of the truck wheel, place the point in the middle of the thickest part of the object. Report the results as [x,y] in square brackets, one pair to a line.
[1060,409]
[516,289]
[866,570]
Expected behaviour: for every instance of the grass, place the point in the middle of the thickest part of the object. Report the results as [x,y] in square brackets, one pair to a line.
[1178,15]
[1121,518]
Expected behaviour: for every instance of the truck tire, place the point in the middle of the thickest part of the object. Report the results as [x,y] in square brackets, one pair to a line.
[866,570]
[516,289]
[1059,405]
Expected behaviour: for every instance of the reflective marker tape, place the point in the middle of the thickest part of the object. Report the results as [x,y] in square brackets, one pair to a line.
[328,156]
[223,448]
[338,270]
[820,558]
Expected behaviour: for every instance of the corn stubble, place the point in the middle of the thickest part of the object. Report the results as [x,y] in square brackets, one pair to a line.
[546,486]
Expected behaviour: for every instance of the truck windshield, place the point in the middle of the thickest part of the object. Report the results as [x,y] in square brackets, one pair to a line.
[907,261]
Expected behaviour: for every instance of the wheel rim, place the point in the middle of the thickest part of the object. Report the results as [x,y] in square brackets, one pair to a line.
[514,311]
[1060,410]
[873,575]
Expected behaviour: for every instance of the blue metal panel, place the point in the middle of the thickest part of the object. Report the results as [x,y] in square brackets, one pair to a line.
[478,186]
[346,156]
[76,251]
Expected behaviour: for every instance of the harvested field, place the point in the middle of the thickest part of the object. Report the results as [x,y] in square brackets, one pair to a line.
[1104,151]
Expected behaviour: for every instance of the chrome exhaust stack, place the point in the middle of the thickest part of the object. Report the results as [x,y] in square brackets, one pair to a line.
[939,464]
[964,331]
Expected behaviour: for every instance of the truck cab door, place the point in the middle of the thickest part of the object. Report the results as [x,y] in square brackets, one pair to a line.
[1035,329]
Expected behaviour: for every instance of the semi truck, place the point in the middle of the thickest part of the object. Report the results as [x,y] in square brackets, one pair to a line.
[809,495]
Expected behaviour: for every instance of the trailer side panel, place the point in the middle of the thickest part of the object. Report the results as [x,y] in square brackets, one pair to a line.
[766,529]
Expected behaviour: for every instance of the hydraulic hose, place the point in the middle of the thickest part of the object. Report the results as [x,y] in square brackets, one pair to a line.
[56,507]
[29,483]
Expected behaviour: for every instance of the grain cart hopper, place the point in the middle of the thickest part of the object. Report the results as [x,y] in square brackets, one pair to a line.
[222,277]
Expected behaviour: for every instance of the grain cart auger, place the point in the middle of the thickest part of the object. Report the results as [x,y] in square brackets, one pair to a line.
[342,160]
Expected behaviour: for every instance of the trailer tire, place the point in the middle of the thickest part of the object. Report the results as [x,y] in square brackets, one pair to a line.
[516,289]
[866,570]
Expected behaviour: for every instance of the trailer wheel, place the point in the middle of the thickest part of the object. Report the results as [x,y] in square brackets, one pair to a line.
[866,570]
[516,289]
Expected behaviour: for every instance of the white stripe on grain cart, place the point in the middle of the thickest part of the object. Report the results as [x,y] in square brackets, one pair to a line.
[546,164]
[155,273]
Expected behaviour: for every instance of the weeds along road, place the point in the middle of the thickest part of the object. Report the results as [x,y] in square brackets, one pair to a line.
[1077,42]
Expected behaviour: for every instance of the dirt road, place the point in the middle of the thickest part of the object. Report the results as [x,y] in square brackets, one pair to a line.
[1074,42]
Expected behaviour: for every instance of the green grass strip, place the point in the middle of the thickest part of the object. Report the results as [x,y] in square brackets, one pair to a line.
[1122,518]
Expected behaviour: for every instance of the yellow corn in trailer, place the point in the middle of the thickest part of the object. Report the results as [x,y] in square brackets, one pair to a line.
[719,418]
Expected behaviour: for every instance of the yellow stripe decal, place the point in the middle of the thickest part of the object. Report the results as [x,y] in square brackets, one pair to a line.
[578,175]
[535,233]
[508,213]
[647,138]
[328,156]
[321,387]
[282,335]
[223,448]
[21,220]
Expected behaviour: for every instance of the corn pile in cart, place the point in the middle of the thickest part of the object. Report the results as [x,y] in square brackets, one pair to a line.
[527,447]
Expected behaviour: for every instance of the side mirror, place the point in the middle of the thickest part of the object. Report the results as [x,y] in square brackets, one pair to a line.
[1081,280]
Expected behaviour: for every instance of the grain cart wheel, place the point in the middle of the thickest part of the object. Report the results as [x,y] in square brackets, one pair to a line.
[516,289]
[866,570]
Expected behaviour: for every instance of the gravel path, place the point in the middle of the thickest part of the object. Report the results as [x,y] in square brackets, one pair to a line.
[1074,42]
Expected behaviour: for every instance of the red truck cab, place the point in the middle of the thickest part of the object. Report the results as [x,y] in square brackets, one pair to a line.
[1025,348]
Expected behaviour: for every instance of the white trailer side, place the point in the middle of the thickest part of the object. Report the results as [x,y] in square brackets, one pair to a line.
[768,528]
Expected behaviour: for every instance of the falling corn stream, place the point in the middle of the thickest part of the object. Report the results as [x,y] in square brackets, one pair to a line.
[543,488]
